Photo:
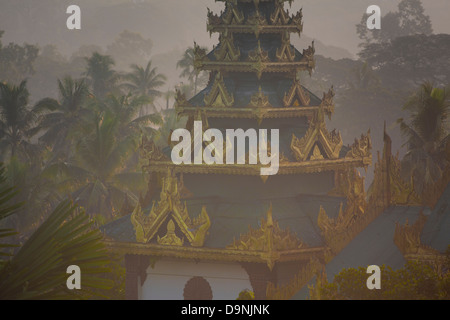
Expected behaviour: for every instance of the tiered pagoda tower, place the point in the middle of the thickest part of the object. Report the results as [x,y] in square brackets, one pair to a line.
[212,231]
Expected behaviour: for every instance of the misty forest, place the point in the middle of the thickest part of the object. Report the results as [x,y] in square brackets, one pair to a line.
[72,122]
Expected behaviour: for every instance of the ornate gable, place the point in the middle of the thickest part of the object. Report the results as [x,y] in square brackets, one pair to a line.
[286,53]
[279,16]
[170,209]
[317,139]
[232,15]
[269,238]
[219,96]
[227,51]
[296,96]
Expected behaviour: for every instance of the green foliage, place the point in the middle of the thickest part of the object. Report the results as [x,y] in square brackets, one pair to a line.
[416,281]
[6,209]
[38,269]
[246,295]
[60,118]
[427,135]
[16,120]
[145,82]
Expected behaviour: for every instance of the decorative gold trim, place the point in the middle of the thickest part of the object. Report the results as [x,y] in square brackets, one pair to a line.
[210,254]
[255,170]
[249,112]
[219,96]
[169,205]
[388,187]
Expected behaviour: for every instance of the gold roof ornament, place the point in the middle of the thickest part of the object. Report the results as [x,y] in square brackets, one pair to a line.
[388,187]
[257,22]
[199,53]
[150,151]
[219,96]
[286,53]
[327,102]
[170,207]
[259,57]
[361,148]
[330,142]
[308,58]
[170,239]
[407,239]
[259,100]
[227,50]
[297,20]
[296,96]
[269,239]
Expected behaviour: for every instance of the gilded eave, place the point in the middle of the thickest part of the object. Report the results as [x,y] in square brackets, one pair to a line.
[251,112]
[305,64]
[255,170]
[211,254]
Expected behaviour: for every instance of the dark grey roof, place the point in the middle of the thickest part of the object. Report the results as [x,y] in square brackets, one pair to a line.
[244,85]
[436,232]
[373,246]
[230,218]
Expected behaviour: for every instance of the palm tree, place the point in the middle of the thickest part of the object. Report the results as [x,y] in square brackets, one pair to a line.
[38,269]
[61,117]
[16,120]
[427,135]
[103,77]
[186,63]
[145,81]
[97,177]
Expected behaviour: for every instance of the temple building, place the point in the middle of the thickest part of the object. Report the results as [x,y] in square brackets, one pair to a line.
[213,231]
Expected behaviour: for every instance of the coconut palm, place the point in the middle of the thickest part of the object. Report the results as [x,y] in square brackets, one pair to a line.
[126,108]
[145,81]
[16,120]
[96,177]
[427,134]
[60,118]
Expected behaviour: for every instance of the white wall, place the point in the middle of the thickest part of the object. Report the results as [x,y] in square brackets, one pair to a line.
[167,279]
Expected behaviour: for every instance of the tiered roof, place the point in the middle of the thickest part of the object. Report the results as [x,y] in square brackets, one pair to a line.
[253,84]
